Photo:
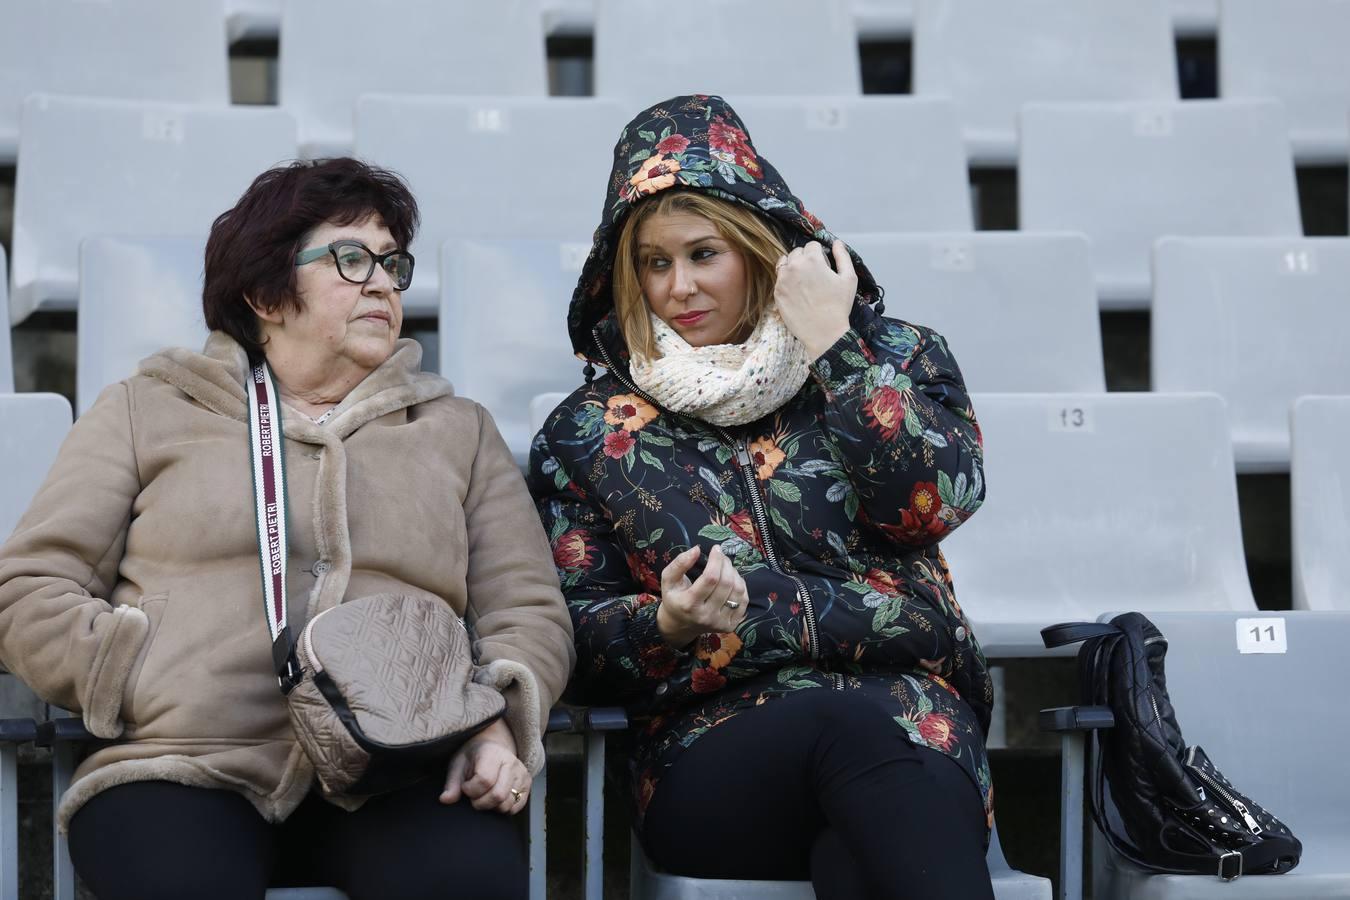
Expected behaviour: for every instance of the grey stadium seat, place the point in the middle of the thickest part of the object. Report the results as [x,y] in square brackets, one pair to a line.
[1259,321]
[34,425]
[112,166]
[646,52]
[1098,502]
[812,140]
[1019,310]
[431,47]
[155,283]
[102,49]
[1126,174]
[1320,503]
[6,353]
[990,58]
[486,167]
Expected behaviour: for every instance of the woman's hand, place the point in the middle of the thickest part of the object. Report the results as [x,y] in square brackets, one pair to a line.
[486,770]
[716,602]
[813,299]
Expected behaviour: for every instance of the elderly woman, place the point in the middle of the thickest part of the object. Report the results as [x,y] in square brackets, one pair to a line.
[130,590]
[745,513]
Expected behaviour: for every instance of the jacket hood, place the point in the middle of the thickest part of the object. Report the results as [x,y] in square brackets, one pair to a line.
[694,142]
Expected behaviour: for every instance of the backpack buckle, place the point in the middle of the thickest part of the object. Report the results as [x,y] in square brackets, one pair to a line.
[1230,866]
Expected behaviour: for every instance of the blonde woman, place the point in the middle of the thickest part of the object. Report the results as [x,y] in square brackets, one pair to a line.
[745,511]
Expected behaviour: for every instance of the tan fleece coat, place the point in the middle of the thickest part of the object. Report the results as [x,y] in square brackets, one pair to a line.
[130,590]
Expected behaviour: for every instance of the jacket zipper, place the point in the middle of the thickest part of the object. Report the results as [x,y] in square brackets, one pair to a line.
[757,508]
[1233,802]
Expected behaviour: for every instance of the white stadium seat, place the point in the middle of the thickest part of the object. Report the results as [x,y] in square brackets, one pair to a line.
[990,58]
[866,164]
[1126,174]
[327,59]
[529,284]
[1319,479]
[1292,51]
[647,51]
[1258,321]
[883,19]
[492,167]
[6,354]
[253,19]
[137,296]
[32,427]
[119,167]
[1195,18]
[1098,502]
[1018,310]
[167,50]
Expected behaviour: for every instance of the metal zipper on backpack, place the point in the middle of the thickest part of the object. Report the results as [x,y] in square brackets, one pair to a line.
[1234,803]
[757,508]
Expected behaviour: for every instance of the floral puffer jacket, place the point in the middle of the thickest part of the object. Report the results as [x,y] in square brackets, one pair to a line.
[831,508]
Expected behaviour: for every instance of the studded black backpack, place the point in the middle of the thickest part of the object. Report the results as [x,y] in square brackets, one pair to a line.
[1171,810]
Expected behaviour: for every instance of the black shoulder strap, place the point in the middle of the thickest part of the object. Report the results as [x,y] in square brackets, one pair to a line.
[1074,632]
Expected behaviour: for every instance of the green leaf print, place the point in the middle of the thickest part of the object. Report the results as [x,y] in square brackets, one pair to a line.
[781,522]
[787,490]
[851,505]
[717,533]
[651,460]
[945,490]
[726,504]
[648,136]
[656,440]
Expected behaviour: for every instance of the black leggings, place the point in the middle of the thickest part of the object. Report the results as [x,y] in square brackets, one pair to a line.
[821,785]
[153,839]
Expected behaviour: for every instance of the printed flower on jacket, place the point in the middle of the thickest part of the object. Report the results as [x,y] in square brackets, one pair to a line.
[642,573]
[657,661]
[718,649]
[882,582]
[656,174]
[923,521]
[743,525]
[885,409]
[707,680]
[629,410]
[937,731]
[730,144]
[618,443]
[675,143]
[766,456]
[571,551]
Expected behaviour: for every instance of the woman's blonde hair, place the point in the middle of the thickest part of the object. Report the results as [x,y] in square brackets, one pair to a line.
[748,232]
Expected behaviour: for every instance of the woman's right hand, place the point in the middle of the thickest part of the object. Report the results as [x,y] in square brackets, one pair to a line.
[715,602]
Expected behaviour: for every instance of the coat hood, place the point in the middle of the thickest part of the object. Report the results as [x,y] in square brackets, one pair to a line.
[694,142]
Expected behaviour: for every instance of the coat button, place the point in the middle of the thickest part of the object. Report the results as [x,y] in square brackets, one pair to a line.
[960,633]
[662,688]
[320,568]
[316,455]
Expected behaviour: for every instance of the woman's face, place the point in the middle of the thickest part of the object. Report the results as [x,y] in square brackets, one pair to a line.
[694,279]
[356,323]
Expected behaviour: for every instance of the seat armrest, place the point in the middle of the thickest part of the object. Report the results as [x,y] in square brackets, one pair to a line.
[1076,718]
[17,731]
[67,729]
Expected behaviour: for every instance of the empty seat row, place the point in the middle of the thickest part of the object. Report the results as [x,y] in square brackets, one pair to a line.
[1122,174]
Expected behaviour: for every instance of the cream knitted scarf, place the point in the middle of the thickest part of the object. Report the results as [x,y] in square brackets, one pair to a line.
[724,384]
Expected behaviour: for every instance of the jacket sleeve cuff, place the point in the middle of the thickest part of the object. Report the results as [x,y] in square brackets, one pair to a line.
[523,714]
[840,369]
[113,664]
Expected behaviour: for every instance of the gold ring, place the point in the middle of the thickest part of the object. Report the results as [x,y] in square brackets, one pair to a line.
[517,793]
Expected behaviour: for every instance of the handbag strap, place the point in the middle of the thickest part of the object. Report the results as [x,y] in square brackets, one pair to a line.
[269,496]
[1074,632]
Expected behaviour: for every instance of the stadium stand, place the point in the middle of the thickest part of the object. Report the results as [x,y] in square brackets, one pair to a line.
[728,47]
[1292,51]
[1320,490]
[492,167]
[812,140]
[34,427]
[529,283]
[1059,539]
[991,58]
[113,166]
[1125,174]
[1259,321]
[1194,18]
[110,49]
[154,283]
[1019,310]
[883,19]
[253,19]
[434,48]
[6,353]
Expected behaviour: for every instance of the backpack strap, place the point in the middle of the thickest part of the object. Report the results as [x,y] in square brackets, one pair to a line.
[1074,632]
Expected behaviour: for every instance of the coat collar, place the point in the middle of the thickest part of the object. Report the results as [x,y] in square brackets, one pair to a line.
[216,376]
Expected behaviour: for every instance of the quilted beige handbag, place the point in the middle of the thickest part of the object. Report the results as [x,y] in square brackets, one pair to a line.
[381,689]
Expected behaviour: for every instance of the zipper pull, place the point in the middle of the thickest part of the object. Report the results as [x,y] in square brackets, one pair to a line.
[1246,816]
[742,454]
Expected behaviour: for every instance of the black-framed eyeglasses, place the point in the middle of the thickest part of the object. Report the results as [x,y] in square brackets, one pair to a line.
[356,262]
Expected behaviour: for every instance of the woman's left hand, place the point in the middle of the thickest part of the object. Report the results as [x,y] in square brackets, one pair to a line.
[813,299]
[487,771]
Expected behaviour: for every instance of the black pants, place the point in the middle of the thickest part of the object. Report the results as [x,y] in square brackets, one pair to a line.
[153,839]
[821,785]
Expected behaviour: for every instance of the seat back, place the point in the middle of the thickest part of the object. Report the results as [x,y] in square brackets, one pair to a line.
[478,170]
[1258,321]
[503,336]
[1098,502]
[1292,51]
[1018,310]
[1320,503]
[125,49]
[811,141]
[991,58]
[32,427]
[1126,174]
[646,52]
[119,167]
[155,283]
[6,353]
[433,47]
